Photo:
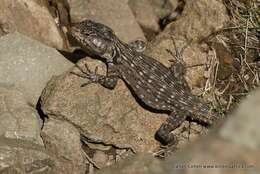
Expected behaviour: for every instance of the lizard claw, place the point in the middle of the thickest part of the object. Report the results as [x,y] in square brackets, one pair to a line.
[87,73]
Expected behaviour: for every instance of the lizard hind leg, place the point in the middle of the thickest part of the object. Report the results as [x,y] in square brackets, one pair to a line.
[163,134]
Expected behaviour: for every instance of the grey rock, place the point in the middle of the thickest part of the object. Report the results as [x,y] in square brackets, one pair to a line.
[28,64]
[20,156]
[141,164]
[63,140]
[245,124]
[114,13]
[18,119]
[110,117]
[213,155]
[32,18]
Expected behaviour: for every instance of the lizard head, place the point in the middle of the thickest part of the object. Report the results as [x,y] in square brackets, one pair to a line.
[95,38]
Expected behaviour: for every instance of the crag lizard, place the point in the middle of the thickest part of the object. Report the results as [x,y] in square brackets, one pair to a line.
[157,86]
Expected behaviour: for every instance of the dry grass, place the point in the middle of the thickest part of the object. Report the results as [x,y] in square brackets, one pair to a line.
[241,40]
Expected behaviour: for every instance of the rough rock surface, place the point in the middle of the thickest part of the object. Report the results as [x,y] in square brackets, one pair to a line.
[163,8]
[28,64]
[31,18]
[18,119]
[112,117]
[63,140]
[20,156]
[22,149]
[199,19]
[114,13]
[228,149]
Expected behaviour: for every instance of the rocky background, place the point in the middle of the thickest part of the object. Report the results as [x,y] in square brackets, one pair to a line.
[50,124]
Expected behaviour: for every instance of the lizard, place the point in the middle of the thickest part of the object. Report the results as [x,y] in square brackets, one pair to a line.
[157,86]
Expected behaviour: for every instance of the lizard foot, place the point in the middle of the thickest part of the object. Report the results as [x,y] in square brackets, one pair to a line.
[165,138]
[138,45]
[93,77]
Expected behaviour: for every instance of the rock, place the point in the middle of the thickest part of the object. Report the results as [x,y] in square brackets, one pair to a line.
[33,19]
[243,129]
[163,8]
[20,156]
[114,13]
[18,119]
[28,64]
[63,140]
[110,117]
[22,149]
[199,19]
[213,155]
[141,163]
[145,17]
[100,158]
[59,9]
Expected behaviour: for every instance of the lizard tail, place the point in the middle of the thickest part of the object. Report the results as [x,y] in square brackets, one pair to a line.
[203,112]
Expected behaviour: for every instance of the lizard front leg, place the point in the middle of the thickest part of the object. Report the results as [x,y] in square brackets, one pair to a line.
[108,81]
[138,45]
[163,134]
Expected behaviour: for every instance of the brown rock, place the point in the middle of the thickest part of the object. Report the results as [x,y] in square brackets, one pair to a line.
[100,158]
[145,16]
[199,19]
[30,18]
[112,117]
[163,8]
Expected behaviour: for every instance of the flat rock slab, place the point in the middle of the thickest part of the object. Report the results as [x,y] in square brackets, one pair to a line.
[114,13]
[111,117]
[18,119]
[28,64]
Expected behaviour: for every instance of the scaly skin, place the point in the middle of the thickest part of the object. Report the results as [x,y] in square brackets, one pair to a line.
[157,86]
